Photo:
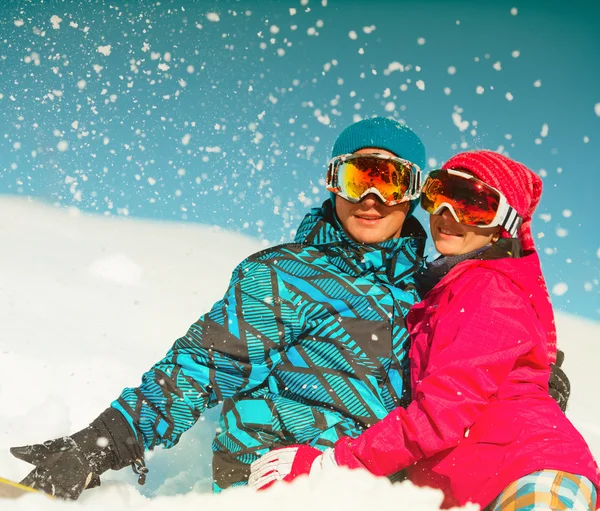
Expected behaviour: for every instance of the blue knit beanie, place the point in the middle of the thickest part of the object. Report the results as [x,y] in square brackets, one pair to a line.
[382,133]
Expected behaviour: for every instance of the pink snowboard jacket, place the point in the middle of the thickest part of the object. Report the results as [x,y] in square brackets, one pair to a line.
[481,416]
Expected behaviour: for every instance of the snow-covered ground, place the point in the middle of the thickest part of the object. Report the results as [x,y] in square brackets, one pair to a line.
[89,303]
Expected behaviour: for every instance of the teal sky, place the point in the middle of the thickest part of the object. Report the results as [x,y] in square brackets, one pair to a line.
[224,112]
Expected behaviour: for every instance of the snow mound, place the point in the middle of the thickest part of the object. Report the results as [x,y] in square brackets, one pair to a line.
[88,303]
[117,268]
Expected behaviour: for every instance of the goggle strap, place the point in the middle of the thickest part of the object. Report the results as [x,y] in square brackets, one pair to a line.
[512,221]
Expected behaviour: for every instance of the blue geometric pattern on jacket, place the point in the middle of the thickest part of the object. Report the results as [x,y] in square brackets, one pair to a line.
[322,302]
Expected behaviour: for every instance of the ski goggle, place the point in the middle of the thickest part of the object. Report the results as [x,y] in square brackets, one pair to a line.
[354,176]
[469,200]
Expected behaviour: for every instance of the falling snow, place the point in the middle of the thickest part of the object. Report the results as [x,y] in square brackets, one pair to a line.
[56,21]
[104,50]
[560,288]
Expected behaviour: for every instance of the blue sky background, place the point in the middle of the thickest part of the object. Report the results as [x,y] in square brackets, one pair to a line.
[224,112]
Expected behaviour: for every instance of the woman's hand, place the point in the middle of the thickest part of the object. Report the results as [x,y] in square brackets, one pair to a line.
[288,463]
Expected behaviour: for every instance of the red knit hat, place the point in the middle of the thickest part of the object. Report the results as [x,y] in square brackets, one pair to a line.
[521,187]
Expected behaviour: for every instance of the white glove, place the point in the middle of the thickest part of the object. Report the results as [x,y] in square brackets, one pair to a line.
[278,464]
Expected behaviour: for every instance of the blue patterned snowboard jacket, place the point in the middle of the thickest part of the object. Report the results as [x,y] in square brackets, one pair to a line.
[307,345]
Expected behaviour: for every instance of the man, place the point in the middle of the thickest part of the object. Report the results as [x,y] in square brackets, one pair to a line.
[307,345]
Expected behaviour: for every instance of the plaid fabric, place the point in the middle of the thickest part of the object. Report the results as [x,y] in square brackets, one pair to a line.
[547,490]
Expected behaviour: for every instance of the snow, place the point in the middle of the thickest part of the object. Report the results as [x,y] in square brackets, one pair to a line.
[88,303]
[104,50]
[458,121]
[56,21]
[597,109]
[560,288]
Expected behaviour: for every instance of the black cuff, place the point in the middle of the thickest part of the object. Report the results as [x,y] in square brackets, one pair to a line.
[126,447]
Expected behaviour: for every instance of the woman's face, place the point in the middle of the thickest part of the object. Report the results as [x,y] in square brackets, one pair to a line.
[452,238]
[370,221]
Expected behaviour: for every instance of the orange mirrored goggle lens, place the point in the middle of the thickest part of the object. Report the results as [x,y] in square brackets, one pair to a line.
[355,176]
[474,202]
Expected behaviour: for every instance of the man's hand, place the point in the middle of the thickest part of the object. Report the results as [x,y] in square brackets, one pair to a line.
[560,386]
[62,467]
[287,463]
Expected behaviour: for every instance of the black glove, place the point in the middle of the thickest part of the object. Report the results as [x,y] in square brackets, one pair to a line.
[68,465]
[560,386]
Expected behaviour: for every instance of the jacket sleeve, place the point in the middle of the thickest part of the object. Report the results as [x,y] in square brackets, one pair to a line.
[229,350]
[486,326]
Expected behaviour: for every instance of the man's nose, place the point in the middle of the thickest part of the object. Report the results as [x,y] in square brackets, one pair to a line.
[370,200]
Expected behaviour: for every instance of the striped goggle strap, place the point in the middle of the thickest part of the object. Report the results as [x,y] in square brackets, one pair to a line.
[512,221]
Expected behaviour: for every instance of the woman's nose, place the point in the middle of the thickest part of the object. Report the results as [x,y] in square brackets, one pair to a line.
[447,216]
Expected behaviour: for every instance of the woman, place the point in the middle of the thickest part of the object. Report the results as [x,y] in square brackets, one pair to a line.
[297,318]
[482,426]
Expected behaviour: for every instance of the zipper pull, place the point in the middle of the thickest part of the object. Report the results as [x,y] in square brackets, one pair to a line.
[139,467]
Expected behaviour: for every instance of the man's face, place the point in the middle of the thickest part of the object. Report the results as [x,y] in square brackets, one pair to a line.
[370,221]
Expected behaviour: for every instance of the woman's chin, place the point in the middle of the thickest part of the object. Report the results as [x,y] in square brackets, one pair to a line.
[448,247]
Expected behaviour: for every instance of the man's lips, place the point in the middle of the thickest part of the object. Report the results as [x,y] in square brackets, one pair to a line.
[368,219]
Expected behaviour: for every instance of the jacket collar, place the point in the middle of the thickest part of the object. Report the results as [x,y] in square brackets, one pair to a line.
[392,260]
[434,271]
